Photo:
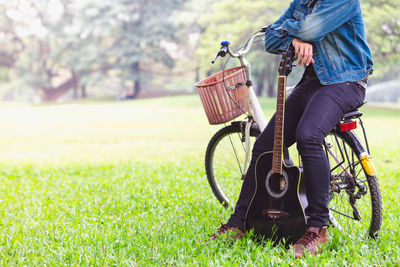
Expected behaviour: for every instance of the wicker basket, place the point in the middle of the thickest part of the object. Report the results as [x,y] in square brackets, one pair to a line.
[224,103]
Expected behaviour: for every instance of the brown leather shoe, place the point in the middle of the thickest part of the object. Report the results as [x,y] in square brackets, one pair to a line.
[310,242]
[224,229]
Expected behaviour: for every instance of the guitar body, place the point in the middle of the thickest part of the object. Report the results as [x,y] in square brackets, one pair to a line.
[271,215]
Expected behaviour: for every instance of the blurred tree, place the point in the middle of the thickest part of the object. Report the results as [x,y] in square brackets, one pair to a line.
[189,34]
[11,44]
[47,65]
[67,44]
[137,35]
[382,19]
[41,28]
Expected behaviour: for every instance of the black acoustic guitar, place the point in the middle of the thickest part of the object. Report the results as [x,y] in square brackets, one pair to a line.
[277,206]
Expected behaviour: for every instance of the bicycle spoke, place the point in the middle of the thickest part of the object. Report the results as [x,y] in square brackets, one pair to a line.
[236,155]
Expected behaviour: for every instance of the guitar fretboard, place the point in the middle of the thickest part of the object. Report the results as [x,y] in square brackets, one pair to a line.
[279,126]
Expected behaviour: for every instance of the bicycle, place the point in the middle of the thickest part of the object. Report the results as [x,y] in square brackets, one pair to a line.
[355,199]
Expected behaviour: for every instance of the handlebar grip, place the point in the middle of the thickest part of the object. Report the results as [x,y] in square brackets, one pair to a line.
[223,51]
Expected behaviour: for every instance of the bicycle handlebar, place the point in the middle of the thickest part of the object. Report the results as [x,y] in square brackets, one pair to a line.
[241,52]
[247,47]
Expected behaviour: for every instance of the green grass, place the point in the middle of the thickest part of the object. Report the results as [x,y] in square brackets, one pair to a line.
[105,183]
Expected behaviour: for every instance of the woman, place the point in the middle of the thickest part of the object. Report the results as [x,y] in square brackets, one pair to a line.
[329,40]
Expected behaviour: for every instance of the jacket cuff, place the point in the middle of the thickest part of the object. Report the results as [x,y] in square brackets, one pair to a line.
[287,43]
[287,40]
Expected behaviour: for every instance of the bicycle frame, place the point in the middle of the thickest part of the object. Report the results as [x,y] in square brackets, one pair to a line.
[254,106]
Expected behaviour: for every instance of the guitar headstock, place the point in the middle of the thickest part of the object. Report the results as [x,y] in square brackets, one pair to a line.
[286,64]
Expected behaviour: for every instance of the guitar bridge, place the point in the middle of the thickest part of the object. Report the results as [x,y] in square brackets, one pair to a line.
[275,214]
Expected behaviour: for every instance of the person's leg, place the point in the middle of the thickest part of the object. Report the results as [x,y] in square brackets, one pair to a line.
[293,111]
[323,111]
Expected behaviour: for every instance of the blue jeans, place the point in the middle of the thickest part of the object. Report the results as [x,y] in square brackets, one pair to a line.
[312,110]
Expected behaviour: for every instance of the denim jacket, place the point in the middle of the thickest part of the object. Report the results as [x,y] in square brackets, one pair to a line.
[335,28]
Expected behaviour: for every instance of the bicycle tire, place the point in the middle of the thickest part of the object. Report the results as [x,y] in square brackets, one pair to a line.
[358,186]
[223,162]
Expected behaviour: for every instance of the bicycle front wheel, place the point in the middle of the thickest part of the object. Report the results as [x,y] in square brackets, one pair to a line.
[224,162]
[355,200]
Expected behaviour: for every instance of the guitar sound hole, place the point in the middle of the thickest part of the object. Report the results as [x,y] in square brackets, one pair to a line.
[277,184]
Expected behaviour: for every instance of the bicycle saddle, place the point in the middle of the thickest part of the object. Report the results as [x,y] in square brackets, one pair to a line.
[352,115]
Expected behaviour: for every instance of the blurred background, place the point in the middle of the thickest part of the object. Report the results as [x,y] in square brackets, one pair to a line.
[60,50]
[103,135]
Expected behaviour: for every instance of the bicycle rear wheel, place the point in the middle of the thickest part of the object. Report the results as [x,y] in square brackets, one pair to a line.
[224,162]
[355,200]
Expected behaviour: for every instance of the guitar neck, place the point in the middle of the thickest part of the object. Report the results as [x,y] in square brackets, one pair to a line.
[279,126]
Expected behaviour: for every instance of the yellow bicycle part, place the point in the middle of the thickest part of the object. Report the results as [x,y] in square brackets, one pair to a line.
[368,165]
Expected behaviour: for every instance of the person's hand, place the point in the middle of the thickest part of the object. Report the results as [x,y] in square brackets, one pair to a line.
[303,52]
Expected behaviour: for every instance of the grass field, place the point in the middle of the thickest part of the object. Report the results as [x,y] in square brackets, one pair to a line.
[106,183]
